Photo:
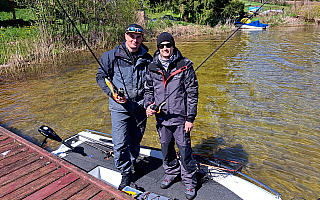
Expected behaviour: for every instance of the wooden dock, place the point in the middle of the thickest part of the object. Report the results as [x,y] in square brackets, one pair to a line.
[30,172]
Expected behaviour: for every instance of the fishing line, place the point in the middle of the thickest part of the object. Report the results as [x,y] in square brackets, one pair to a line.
[106,79]
[156,107]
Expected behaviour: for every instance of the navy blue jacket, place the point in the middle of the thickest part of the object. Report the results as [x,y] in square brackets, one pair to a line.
[181,106]
[125,72]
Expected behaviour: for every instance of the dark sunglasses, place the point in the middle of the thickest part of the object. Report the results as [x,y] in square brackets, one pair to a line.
[169,45]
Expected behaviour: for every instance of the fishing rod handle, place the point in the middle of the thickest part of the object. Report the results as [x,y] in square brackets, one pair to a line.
[140,123]
[155,108]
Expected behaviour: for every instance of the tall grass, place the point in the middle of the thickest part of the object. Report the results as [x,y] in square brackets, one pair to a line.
[183,29]
[14,42]
[102,23]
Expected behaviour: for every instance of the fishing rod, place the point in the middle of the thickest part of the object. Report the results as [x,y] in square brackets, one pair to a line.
[114,90]
[218,163]
[158,107]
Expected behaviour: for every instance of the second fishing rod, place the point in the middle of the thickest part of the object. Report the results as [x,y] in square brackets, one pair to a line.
[114,90]
[163,102]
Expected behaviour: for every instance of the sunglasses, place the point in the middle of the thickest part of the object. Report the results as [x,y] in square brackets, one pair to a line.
[136,30]
[169,45]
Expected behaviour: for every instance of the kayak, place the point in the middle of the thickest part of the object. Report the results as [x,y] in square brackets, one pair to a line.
[92,152]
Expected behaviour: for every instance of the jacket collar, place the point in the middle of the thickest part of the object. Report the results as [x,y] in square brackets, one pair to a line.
[177,56]
[123,52]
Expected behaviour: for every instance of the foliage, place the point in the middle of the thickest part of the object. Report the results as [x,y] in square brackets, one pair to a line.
[199,11]
[309,12]
[4,6]
[234,8]
[96,20]
[102,23]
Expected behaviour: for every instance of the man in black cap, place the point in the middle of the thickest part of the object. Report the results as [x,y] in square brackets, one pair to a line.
[167,72]
[126,66]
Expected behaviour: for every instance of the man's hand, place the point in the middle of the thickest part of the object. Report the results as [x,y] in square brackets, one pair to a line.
[119,99]
[188,126]
[149,111]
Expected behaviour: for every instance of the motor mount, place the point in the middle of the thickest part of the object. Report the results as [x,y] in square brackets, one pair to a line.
[48,132]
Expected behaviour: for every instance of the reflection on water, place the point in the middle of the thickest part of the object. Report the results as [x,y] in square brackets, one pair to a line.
[258,104]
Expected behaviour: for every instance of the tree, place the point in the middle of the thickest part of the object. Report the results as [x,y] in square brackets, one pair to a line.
[12,9]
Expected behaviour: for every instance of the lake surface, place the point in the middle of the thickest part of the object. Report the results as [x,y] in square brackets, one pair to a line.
[259,104]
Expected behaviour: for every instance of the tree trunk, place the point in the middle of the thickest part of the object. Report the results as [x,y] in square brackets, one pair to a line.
[12,9]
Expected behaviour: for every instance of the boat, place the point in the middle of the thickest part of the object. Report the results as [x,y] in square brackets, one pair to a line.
[246,23]
[92,152]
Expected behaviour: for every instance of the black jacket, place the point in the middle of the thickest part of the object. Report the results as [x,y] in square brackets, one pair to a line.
[182,104]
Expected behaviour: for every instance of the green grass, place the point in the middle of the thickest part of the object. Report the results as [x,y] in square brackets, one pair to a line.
[15,37]
[25,14]
[159,15]
[267,6]
[16,40]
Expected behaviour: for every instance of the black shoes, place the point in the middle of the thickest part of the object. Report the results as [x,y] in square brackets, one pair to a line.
[125,181]
[190,193]
[136,168]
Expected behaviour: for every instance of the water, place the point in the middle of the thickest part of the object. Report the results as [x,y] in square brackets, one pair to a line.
[258,104]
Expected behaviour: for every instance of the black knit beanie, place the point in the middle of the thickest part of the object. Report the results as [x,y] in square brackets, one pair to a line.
[165,37]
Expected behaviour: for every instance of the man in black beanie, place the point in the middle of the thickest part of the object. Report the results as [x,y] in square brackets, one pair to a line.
[165,73]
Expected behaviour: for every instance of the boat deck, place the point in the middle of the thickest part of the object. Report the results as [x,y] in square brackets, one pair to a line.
[30,172]
[90,155]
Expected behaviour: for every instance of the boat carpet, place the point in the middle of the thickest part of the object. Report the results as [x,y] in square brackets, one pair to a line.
[88,156]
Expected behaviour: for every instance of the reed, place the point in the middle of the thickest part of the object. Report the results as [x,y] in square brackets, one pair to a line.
[101,22]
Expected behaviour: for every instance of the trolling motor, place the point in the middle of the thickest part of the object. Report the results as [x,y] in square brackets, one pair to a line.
[48,132]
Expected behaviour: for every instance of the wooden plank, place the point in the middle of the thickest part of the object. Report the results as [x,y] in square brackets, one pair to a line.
[8,147]
[102,196]
[3,137]
[53,187]
[14,166]
[34,186]
[40,153]
[86,193]
[14,151]
[15,158]
[5,141]
[22,171]
[69,190]
[20,182]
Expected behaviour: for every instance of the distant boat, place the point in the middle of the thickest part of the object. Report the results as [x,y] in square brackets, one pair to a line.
[246,23]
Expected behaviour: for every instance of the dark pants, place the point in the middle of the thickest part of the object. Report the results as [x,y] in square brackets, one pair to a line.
[126,137]
[168,136]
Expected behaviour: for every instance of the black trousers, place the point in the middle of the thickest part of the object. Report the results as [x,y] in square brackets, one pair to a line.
[169,135]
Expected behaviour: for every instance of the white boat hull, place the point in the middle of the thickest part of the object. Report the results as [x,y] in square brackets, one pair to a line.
[239,186]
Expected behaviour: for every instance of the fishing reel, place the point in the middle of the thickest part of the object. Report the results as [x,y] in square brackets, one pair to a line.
[48,132]
[120,92]
[157,108]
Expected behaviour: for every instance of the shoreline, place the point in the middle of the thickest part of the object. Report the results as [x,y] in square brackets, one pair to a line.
[178,31]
